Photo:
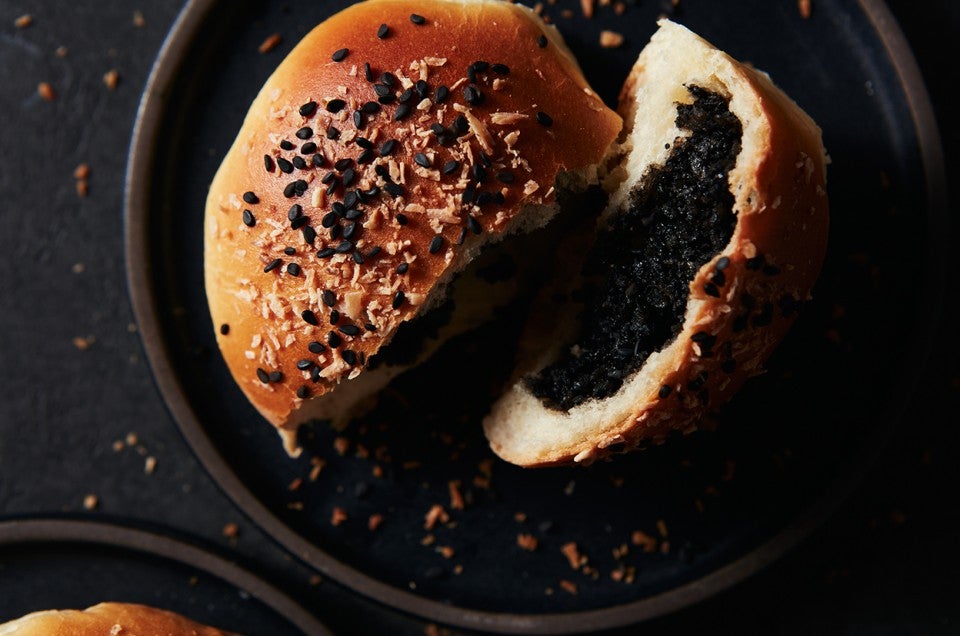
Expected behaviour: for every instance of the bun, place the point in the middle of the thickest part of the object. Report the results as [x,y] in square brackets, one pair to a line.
[709,244]
[108,619]
[390,145]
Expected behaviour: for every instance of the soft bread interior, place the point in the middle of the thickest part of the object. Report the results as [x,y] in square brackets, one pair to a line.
[519,427]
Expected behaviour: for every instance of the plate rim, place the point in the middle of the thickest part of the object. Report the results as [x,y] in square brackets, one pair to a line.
[70,530]
[140,288]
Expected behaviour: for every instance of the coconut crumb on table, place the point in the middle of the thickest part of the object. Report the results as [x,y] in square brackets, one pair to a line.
[90,502]
[23,21]
[574,557]
[338,516]
[611,39]
[527,542]
[138,19]
[569,586]
[456,498]
[434,515]
[111,78]
[805,7]
[231,531]
[46,92]
[270,43]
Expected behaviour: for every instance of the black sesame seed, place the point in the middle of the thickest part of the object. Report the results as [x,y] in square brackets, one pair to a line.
[421,160]
[436,243]
[461,126]
[383,31]
[359,119]
[353,214]
[370,108]
[275,377]
[387,148]
[285,166]
[340,55]
[350,330]
[349,230]
[450,167]
[402,268]
[303,392]
[286,145]
[544,119]
[478,173]
[328,178]
[389,98]
[417,19]
[334,340]
[374,252]
[304,365]
[250,198]
[301,186]
[505,177]
[394,190]
[382,171]
[344,246]
[348,176]
[334,317]
[299,222]
[304,133]
[369,326]
[263,376]
[421,88]
[402,111]
[469,194]
[665,391]
[308,148]
[351,199]
[335,232]
[406,96]
[462,236]
[329,220]
[308,109]
[500,69]
[368,72]
[349,357]
[472,95]
[357,258]
[343,164]
[441,94]
[289,251]
[542,41]
[299,163]
[295,211]
[711,290]
[248,219]
[755,263]
[333,133]
[268,163]
[437,129]
[318,160]
[484,198]
[367,156]
[401,218]
[224,329]
[316,347]
[309,234]
[335,105]
[718,279]
[293,269]
[722,263]
[398,299]
[309,317]
[326,252]
[474,225]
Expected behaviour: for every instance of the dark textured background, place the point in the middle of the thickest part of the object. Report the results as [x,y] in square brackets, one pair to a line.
[885,563]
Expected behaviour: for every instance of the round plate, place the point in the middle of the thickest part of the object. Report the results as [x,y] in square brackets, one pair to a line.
[72,564]
[618,542]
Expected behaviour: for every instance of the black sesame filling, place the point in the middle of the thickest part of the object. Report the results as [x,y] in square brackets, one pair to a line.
[678,217]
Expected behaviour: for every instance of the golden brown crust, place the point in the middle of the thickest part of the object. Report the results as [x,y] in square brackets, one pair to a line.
[108,619]
[730,329]
[266,332]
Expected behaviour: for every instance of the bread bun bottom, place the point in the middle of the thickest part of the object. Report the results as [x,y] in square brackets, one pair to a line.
[108,619]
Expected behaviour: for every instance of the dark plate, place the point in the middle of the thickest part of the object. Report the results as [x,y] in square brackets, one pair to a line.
[73,564]
[718,505]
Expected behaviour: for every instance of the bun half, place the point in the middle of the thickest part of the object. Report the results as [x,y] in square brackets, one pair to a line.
[393,142]
[606,386]
[108,619]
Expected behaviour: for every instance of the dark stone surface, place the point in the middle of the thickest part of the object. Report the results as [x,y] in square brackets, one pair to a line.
[886,563]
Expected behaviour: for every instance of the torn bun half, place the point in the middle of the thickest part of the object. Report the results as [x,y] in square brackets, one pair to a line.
[707,248]
[393,142]
[108,619]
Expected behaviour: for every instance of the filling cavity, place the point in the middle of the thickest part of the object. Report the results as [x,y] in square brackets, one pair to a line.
[637,275]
